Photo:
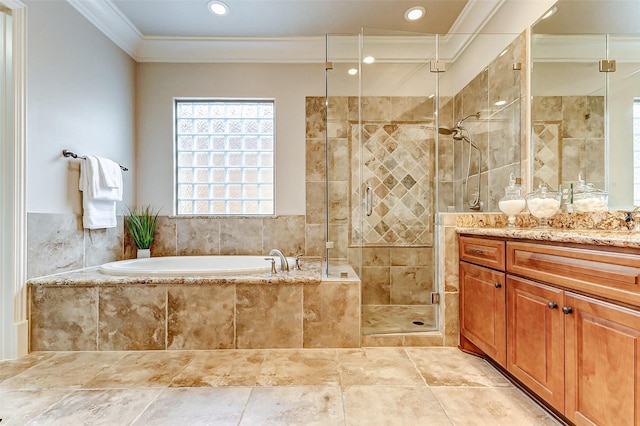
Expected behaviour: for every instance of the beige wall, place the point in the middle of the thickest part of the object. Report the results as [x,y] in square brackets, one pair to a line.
[159,83]
[80,96]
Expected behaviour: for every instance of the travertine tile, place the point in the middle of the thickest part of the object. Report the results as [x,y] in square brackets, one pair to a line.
[132,317]
[149,369]
[376,286]
[200,317]
[164,242]
[285,233]
[451,319]
[268,316]
[18,407]
[411,256]
[98,407]
[315,117]
[241,236]
[54,243]
[315,160]
[314,240]
[14,367]
[426,339]
[197,236]
[104,245]
[377,319]
[66,370]
[451,260]
[299,367]
[301,405]
[217,406]
[411,285]
[331,315]
[315,203]
[377,366]
[381,340]
[63,318]
[221,368]
[395,405]
[452,367]
[490,407]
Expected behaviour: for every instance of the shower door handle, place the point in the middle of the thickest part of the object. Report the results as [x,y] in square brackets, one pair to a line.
[368,201]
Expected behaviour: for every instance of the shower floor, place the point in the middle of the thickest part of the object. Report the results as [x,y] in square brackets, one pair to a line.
[386,319]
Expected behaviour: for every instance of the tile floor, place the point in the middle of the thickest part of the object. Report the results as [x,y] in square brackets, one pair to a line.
[368,386]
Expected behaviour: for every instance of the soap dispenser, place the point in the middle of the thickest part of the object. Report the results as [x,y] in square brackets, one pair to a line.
[513,202]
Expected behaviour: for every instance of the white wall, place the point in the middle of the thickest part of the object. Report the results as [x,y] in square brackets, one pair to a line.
[159,83]
[80,96]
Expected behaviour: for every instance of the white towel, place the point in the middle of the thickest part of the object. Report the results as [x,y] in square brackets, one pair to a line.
[101,179]
[99,200]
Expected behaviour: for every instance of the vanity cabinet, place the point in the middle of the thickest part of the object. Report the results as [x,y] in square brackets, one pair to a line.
[572,325]
[482,296]
[535,329]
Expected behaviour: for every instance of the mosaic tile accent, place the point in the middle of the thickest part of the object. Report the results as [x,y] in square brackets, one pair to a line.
[397,161]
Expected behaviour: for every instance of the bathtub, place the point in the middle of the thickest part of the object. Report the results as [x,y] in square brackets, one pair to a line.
[193,266]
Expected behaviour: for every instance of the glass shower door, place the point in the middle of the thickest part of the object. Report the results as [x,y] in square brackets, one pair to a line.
[394,145]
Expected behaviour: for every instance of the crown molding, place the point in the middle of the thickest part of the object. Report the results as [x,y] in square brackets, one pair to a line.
[108,19]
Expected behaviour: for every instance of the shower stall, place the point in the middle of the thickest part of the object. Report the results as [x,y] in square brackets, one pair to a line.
[387,171]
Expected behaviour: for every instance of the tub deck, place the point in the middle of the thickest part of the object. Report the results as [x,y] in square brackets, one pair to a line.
[91,311]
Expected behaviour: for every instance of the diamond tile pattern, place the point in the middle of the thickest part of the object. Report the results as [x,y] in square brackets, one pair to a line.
[546,155]
[398,165]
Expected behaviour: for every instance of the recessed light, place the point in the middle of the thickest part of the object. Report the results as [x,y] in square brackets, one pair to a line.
[431,96]
[218,8]
[352,71]
[500,103]
[549,12]
[368,59]
[504,52]
[414,13]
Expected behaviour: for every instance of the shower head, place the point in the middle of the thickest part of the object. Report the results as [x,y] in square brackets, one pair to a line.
[457,129]
[445,130]
[459,123]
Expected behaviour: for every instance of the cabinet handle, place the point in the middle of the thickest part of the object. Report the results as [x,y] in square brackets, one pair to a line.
[497,285]
[567,310]
[552,305]
[476,251]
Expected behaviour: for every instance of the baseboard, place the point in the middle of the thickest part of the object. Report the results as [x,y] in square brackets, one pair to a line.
[22,331]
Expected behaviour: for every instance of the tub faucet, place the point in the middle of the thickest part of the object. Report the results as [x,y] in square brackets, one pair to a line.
[284,265]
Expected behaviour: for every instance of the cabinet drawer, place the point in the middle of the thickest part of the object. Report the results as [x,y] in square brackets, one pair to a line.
[611,275]
[481,251]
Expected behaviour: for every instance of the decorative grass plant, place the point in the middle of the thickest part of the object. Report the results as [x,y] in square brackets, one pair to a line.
[141,223]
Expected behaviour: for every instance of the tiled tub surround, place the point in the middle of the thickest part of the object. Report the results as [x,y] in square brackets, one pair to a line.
[58,243]
[90,311]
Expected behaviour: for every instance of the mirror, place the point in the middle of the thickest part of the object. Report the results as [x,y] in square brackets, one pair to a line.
[586,120]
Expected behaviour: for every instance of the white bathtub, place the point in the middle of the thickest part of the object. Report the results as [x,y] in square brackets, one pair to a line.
[193,265]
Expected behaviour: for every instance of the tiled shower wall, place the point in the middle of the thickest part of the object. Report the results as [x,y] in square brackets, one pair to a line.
[568,138]
[497,133]
[57,243]
[398,162]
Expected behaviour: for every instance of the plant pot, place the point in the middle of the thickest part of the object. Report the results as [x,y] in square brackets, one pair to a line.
[143,253]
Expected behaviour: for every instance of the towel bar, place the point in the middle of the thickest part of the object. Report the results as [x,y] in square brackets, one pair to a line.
[67,153]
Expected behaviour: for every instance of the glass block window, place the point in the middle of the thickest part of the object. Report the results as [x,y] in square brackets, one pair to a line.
[225,157]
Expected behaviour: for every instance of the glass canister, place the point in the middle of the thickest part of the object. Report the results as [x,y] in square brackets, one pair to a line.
[513,202]
[587,198]
[543,204]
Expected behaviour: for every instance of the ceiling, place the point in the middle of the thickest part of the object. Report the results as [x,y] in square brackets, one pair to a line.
[284,18]
[284,31]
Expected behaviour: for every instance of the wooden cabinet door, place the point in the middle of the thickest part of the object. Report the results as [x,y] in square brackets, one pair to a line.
[535,338]
[602,363]
[483,310]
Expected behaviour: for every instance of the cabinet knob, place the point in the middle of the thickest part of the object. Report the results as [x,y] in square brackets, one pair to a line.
[552,305]
[567,310]
[497,285]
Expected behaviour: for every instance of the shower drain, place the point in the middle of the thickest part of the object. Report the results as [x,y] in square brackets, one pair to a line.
[418,322]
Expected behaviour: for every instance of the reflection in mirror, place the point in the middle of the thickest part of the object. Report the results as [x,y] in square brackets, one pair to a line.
[583,118]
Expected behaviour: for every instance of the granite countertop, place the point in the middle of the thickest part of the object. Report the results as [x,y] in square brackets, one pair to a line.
[612,238]
[309,274]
